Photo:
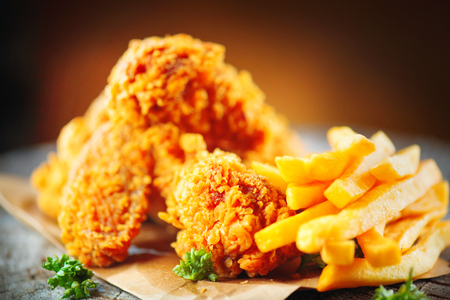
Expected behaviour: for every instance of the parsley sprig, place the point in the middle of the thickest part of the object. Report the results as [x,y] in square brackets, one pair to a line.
[197,265]
[71,275]
[310,258]
[408,291]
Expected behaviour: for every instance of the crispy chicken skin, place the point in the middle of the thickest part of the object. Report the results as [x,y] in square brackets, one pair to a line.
[107,193]
[219,205]
[106,196]
[185,81]
[160,90]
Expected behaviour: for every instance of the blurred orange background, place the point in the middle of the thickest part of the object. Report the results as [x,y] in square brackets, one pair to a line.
[378,64]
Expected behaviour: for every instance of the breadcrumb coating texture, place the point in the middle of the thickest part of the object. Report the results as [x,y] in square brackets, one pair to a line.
[51,176]
[106,198]
[185,81]
[174,97]
[219,205]
[182,81]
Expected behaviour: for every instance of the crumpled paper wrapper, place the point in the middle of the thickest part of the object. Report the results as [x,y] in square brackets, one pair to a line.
[147,272]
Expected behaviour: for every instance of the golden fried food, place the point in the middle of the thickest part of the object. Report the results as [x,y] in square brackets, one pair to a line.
[185,81]
[107,194]
[219,205]
[182,81]
[51,176]
[106,197]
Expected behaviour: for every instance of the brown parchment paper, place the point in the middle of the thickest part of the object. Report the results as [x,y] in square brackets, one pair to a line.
[147,272]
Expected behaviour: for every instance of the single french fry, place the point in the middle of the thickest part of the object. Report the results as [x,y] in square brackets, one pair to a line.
[338,252]
[272,173]
[283,232]
[421,258]
[405,162]
[378,250]
[315,167]
[357,179]
[344,139]
[378,205]
[405,231]
[328,165]
[305,195]
[293,169]
[434,199]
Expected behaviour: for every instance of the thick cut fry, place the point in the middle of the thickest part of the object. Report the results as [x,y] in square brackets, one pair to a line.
[327,166]
[378,250]
[420,258]
[402,164]
[405,231]
[434,199]
[344,139]
[375,207]
[272,173]
[322,167]
[338,253]
[357,179]
[293,169]
[305,195]
[283,232]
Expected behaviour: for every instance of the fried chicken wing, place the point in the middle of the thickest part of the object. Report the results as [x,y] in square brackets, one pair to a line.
[160,90]
[219,205]
[51,176]
[185,81]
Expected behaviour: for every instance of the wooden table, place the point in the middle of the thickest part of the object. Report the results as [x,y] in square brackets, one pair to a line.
[22,251]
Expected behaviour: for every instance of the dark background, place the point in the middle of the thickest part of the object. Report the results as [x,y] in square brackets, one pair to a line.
[381,64]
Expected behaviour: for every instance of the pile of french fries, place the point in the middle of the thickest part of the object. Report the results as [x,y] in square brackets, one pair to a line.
[361,192]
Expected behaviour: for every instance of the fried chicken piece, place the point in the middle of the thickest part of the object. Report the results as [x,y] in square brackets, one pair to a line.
[179,80]
[51,176]
[185,81]
[106,196]
[219,205]
[160,90]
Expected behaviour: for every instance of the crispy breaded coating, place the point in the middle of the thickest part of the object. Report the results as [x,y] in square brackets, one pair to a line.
[109,187]
[160,91]
[51,176]
[185,81]
[106,198]
[219,205]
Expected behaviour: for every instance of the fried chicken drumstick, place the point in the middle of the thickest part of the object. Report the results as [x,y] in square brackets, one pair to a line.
[219,205]
[160,89]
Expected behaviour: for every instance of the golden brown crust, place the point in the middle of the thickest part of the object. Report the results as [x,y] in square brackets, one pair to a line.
[161,90]
[219,205]
[185,81]
[106,198]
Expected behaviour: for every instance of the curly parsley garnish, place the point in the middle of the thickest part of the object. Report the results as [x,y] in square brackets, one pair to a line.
[408,291]
[197,265]
[71,275]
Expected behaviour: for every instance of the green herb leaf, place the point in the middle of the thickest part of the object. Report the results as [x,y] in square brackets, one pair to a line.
[310,258]
[197,265]
[71,275]
[408,291]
